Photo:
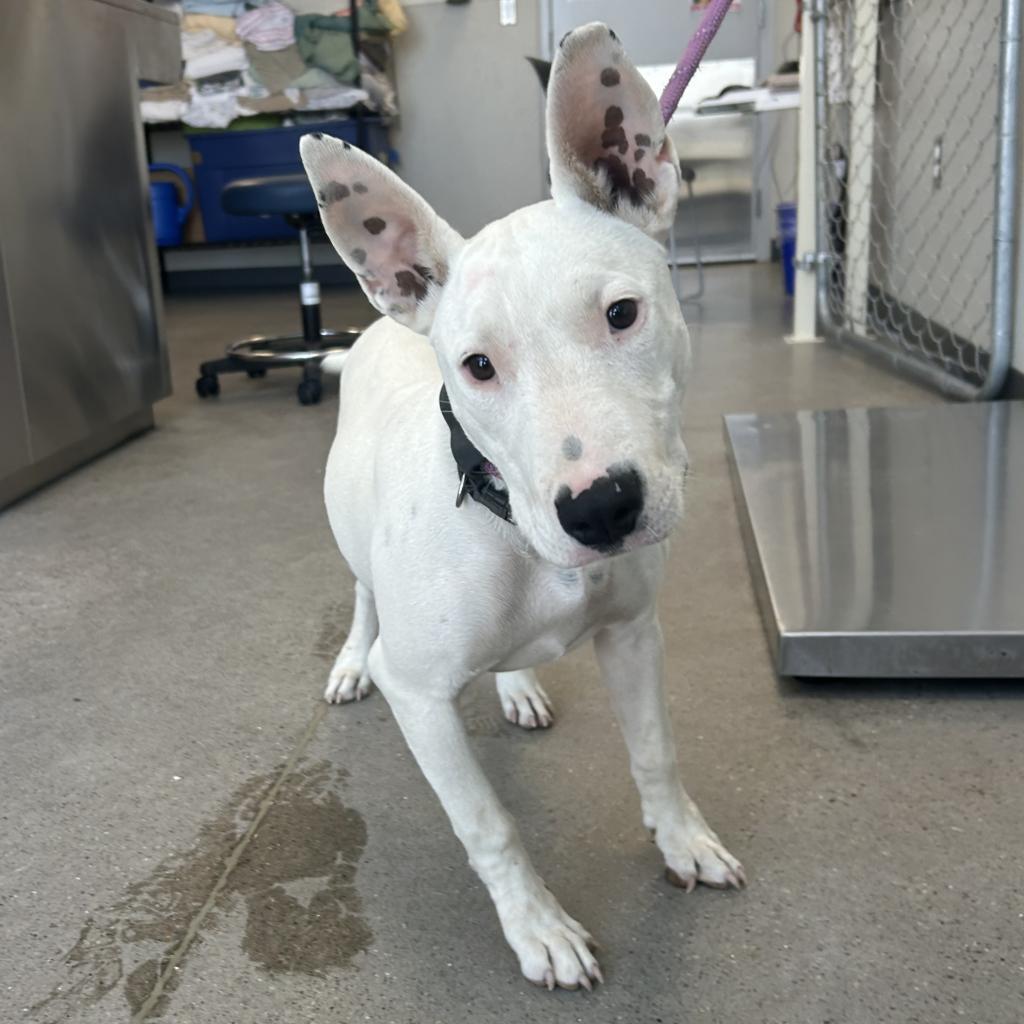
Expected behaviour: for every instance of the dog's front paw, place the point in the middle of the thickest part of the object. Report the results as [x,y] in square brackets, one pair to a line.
[553,949]
[700,857]
[524,701]
[346,682]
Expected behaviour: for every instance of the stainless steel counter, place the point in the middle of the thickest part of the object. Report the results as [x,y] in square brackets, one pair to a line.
[82,353]
[886,542]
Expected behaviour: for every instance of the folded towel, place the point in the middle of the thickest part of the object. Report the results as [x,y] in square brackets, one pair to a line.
[270,27]
[225,8]
[211,111]
[392,10]
[275,70]
[326,43]
[206,53]
[317,6]
[277,103]
[341,97]
[223,27]
[157,111]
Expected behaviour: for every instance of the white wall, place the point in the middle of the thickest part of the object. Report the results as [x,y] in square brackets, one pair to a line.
[470,136]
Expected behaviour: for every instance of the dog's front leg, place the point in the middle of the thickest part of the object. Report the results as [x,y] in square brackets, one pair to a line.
[631,657]
[551,946]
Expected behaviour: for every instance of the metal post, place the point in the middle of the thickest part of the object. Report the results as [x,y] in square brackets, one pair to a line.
[309,291]
[1004,254]
[862,159]
[804,304]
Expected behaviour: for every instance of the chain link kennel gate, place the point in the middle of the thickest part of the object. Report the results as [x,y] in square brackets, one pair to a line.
[916,143]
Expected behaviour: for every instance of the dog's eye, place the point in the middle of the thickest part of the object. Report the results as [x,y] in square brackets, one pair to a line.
[479,366]
[621,314]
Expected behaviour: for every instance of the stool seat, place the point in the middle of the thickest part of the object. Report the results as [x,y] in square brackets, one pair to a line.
[289,196]
[279,194]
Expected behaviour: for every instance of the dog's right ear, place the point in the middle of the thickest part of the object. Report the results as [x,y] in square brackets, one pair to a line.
[390,238]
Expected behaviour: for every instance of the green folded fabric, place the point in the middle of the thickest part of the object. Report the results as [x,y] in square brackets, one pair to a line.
[325,41]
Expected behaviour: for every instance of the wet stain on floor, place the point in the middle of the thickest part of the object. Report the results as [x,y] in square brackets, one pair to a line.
[296,880]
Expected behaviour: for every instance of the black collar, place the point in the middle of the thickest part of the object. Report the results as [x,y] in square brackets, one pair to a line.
[476,472]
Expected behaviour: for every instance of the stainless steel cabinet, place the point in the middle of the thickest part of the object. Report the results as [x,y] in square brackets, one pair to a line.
[82,355]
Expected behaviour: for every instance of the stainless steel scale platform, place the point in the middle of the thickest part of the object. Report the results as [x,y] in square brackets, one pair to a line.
[886,542]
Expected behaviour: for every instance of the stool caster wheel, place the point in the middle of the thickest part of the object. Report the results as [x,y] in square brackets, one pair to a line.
[257,371]
[207,386]
[310,392]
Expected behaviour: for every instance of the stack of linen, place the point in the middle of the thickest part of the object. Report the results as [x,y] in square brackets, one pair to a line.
[247,57]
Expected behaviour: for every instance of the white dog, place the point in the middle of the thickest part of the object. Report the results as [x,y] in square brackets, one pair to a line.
[560,344]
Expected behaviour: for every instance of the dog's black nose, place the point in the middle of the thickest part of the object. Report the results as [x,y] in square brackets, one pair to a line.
[605,512]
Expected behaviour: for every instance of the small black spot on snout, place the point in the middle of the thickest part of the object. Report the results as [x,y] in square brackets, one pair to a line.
[605,513]
[572,447]
[374,225]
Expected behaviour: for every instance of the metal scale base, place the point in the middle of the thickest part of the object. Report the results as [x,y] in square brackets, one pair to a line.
[886,542]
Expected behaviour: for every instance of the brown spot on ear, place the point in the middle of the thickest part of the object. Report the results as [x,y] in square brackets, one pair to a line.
[642,186]
[618,173]
[360,188]
[610,77]
[642,140]
[613,35]
[612,117]
[637,190]
[615,138]
[359,256]
[335,191]
[638,155]
[411,284]
[374,225]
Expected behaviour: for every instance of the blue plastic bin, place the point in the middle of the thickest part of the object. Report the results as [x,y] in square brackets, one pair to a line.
[221,157]
[786,213]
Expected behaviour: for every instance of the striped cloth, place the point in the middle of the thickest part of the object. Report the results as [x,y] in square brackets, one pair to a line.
[270,27]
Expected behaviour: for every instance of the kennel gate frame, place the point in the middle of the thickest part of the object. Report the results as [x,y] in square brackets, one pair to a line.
[901,357]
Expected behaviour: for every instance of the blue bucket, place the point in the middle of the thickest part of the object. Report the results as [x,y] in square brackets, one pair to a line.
[168,214]
[786,214]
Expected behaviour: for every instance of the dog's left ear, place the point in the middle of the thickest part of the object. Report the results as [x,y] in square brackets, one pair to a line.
[387,234]
[606,139]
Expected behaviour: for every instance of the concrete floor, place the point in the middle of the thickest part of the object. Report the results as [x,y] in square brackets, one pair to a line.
[187,833]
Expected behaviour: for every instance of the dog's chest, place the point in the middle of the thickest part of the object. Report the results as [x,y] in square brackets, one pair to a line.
[562,608]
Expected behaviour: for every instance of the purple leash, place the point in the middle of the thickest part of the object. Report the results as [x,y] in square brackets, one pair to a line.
[695,50]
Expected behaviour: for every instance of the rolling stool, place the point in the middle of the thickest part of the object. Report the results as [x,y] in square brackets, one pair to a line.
[289,196]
